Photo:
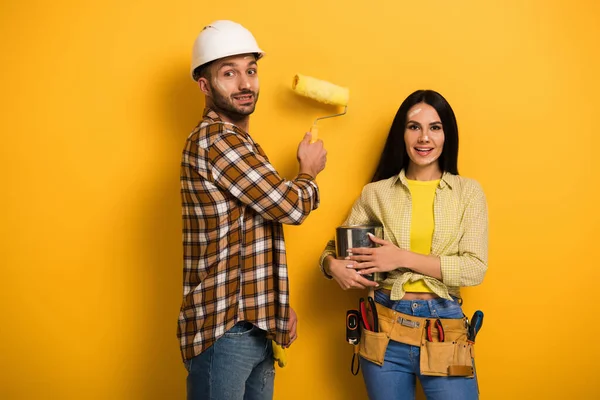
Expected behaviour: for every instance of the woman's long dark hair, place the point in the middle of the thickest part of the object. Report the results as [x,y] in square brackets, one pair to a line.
[394,156]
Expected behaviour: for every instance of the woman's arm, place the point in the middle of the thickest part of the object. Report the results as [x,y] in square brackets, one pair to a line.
[388,257]
[342,271]
[470,265]
[466,268]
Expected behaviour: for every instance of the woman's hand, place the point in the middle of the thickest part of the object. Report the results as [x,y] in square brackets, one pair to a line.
[386,257]
[345,274]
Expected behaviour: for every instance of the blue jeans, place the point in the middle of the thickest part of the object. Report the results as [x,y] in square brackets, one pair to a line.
[396,379]
[238,366]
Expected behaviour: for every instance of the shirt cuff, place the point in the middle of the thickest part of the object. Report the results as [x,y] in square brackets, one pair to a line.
[313,184]
[450,270]
[304,177]
[325,254]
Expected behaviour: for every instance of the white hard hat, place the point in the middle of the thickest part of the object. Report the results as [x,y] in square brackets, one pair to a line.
[222,39]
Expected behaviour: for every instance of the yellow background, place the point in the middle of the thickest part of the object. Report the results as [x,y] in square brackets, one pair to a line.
[96,104]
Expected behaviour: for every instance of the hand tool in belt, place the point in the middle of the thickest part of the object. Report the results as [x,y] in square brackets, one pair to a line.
[353,337]
[440,329]
[374,315]
[368,313]
[475,325]
[363,314]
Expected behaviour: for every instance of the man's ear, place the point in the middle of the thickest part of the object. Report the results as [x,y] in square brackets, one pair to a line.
[204,86]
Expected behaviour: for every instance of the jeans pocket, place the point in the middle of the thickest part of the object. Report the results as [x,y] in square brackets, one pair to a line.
[448,309]
[188,365]
[239,329]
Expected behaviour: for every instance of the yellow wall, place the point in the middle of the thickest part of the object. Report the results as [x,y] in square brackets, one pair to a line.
[95,107]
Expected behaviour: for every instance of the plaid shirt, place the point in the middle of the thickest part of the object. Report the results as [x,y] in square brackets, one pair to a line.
[460,236]
[234,204]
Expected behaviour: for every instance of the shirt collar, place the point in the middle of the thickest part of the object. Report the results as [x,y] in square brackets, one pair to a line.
[447,179]
[209,113]
[213,117]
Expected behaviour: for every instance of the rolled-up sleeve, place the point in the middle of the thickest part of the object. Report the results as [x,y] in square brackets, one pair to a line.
[249,177]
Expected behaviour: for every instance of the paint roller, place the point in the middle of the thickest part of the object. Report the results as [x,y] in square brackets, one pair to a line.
[323,92]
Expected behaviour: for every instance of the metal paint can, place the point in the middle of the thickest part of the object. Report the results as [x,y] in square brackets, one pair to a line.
[353,236]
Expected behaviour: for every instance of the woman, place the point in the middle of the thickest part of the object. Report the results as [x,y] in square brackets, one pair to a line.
[435,230]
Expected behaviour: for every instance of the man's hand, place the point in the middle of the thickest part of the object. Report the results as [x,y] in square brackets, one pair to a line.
[293,324]
[345,275]
[311,156]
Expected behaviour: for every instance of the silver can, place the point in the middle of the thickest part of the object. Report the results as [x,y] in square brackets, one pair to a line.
[353,236]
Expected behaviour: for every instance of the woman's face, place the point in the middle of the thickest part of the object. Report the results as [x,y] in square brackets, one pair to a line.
[423,136]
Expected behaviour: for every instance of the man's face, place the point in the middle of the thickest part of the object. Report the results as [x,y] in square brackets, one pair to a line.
[233,86]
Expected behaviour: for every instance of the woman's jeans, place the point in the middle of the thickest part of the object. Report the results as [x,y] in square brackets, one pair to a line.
[238,366]
[396,379]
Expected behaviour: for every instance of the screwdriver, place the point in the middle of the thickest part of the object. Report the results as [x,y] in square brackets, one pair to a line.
[475,326]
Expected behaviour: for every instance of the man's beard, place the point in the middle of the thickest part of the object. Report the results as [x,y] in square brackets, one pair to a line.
[225,105]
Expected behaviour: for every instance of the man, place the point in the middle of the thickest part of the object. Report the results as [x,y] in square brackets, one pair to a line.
[235,281]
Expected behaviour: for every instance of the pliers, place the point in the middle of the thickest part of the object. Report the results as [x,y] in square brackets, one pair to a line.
[374,315]
[440,329]
[370,322]
[363,314]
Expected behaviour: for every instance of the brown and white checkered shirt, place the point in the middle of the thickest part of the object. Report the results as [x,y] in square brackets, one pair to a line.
[234,204]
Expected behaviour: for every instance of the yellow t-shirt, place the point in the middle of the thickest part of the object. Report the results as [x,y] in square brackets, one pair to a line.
[422,224]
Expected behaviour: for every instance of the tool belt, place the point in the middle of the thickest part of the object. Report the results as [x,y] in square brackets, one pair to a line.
[445,350]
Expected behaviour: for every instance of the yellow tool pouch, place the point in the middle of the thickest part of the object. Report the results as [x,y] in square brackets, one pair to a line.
[444,352]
